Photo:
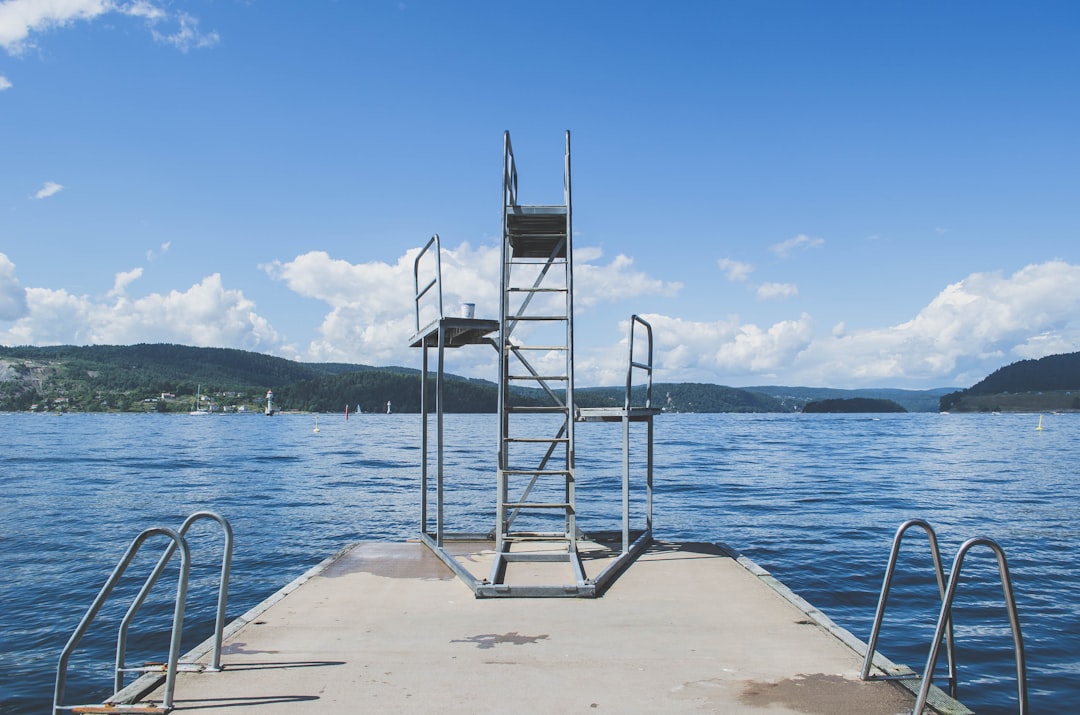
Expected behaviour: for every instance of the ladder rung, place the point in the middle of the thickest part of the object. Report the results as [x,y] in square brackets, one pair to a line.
[537,347]
[536,290]
[537,377]
[544,440]
[536,408]
[539,472]
[538,505]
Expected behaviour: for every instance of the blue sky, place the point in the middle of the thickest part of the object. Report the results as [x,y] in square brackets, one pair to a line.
[840,194]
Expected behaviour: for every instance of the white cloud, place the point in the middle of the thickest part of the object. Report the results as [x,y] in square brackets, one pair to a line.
[187,34]
[12,294]
[5,83]
[162,250]
[20,19]
[767,291]
[801,242]
[735,270]
[372,307]
[207,314]
[50,188]
[123,280]
[970,329]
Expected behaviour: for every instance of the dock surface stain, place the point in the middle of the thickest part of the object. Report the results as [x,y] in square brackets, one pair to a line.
[487,641]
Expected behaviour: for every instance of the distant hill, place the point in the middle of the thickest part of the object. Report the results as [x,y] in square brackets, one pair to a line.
[165,378]
[911,400]
[1049,383]
[852,404]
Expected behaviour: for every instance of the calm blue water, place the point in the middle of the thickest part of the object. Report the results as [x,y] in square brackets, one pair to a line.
[813,498]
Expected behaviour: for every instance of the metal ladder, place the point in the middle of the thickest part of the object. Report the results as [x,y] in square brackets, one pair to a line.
[536,519]
[176,542]
[944,628]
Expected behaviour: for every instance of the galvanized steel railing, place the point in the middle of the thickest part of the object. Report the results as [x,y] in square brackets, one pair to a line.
[177,541]
[219,621]
[939,572]
[944,628]
[945,616]
[436,282]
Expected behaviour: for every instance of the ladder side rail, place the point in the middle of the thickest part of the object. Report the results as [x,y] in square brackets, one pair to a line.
[178,614]
[945,618]
[571,480]
[504,402]
[223,588]
[435,282]
[886,585]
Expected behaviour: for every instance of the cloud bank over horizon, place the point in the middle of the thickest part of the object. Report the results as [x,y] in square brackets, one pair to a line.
[970,328]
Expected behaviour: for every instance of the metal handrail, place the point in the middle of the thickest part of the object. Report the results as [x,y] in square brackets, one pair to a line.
[944,619]
[886,584]
[223,587]
[178,614]
[436,282]
[510,177]
[646,366]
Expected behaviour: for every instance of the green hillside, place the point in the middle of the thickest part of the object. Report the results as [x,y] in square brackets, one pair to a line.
[165,378]
[1046,384]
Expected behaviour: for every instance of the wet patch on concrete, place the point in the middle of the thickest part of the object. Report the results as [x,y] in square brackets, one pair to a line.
[390,560]
[822,694]
[488,641]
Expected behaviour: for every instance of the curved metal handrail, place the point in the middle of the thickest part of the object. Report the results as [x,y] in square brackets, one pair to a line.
[435,282]
[647,366]
[223,587]
[510,177]
[178,542]
[886,584]
[946,616]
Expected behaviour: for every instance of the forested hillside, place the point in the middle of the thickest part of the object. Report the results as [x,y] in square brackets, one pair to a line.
[1049,383]
[166,378]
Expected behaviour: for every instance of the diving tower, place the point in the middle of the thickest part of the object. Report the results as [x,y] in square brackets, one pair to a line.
[537,547]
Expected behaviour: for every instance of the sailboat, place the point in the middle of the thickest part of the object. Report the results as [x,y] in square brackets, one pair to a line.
[198,400]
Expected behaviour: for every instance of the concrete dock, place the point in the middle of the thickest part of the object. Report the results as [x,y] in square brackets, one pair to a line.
[388,628]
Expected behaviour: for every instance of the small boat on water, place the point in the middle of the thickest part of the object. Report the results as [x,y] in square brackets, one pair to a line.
[196,408]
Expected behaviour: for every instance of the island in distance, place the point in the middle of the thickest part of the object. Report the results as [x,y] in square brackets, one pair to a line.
[853,404]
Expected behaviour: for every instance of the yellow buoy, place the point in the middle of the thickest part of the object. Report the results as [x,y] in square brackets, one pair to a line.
[1039,428]
[317,424]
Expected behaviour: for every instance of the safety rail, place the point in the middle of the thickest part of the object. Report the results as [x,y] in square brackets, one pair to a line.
[879,614]
[178,617]
[944,627]
[510,177]
[177,541]
[435,282]
[646,366]
[219,621]
[944,620]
